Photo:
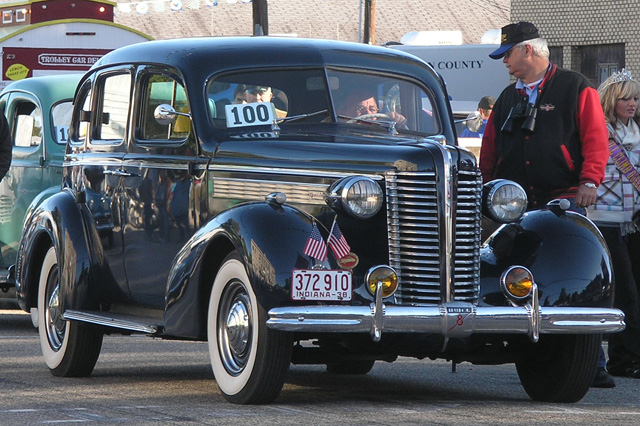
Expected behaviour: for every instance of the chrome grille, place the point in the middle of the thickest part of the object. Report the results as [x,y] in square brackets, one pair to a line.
[414,236]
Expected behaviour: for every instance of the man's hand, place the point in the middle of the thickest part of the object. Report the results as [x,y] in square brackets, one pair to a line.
[585,196]
[400,120]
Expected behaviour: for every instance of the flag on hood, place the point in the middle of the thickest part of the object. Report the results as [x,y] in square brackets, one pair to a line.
[316,246]
[337,242]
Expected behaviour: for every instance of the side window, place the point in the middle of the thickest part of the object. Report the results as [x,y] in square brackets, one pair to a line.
[81,121]
[27,124]
[159,90]
[113,108]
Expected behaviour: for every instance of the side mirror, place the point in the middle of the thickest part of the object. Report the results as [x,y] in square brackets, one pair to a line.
[474,121]
[165,114]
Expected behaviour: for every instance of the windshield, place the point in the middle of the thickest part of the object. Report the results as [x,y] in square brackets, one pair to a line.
[61,117]
[320,96]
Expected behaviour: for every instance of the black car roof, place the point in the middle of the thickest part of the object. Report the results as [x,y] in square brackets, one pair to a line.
[196,59]
[224,53]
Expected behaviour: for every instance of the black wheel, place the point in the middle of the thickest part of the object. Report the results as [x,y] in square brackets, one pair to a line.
[70,348]
[559,368]
[351,367]
[249,361]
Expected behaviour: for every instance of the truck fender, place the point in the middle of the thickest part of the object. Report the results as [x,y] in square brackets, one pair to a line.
[564,250]
[57,221]
[270,240]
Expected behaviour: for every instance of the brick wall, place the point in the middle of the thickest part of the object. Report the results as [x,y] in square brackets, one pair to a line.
[573,24]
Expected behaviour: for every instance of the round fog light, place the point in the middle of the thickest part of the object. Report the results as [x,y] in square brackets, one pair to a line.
[517,282]
[385,275]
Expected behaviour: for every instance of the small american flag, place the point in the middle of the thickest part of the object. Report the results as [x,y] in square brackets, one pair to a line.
[337,242]
[315,246]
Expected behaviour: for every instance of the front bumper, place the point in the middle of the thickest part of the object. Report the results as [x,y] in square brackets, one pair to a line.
[451,319]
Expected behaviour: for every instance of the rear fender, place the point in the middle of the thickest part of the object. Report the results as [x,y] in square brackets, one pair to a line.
[270,240]
[56,221]
[564,250]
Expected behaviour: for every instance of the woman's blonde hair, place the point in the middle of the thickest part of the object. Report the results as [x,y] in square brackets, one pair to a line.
[615,88]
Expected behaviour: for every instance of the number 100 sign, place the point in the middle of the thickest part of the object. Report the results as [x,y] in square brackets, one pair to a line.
[253,114]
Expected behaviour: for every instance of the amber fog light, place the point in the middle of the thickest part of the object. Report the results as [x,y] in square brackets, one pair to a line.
[385,275]
[517,282]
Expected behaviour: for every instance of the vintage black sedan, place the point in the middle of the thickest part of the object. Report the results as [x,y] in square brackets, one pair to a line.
[301,201]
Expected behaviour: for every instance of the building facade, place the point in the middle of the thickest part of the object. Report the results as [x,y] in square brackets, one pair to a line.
[594,37]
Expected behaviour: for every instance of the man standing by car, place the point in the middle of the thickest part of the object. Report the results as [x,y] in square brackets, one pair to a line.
[547,132]
[5,146]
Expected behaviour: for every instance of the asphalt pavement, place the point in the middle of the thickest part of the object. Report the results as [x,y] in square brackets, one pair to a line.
[143,381]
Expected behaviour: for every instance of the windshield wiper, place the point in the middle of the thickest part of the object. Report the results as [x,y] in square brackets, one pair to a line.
[301,116]
[388,124]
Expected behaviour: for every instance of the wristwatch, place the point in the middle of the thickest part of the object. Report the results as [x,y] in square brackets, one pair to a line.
[590,185]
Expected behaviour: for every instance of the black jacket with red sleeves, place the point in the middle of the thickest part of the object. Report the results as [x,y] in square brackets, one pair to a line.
[568,145]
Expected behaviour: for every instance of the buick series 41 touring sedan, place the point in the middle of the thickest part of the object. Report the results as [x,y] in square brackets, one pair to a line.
[301,201]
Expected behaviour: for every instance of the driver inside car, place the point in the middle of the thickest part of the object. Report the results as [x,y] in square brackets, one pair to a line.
[364,105]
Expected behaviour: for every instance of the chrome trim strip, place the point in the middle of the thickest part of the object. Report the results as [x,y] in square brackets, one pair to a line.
[454,319]
[256,190]
[110,321]
[289,172]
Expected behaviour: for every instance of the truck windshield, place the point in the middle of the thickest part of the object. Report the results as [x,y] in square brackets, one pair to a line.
[320,96]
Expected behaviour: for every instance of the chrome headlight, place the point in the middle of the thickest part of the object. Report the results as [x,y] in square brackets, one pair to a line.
[358,196]
[504,201]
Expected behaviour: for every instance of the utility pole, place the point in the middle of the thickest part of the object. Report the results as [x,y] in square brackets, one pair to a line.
[369,35]
[260,18]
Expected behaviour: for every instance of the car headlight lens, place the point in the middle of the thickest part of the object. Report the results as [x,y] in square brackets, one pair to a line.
[385,275]
[358,196]
[504,201]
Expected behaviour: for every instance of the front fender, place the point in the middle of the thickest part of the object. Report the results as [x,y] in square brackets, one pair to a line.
[564,250]
[57,221]
[270,240]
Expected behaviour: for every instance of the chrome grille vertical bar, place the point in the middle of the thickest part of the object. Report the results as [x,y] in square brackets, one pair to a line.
[393,226]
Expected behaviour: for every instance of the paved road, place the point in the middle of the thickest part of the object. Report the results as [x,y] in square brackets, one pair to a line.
[142,381]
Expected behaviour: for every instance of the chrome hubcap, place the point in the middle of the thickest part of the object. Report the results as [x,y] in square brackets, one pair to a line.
[56,326]
[234,328]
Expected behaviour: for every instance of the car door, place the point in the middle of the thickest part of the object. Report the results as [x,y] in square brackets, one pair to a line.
[96,158]
[24,179]
[159,187]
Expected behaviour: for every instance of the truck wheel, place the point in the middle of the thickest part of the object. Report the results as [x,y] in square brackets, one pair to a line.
[559,368]
[351,367]
[70,348]
[249,361]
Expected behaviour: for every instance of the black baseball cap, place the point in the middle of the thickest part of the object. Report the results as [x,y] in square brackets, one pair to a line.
[513,34]
[257,89]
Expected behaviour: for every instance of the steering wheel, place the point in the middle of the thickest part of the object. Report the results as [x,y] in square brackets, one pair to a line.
[370,116]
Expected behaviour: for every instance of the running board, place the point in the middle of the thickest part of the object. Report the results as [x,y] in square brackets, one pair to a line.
[113,320]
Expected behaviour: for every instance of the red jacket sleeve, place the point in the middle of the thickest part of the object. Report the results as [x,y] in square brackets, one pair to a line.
[488,151]
[594,136]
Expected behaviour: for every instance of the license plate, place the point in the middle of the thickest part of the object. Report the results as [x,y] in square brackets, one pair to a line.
[319,284]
